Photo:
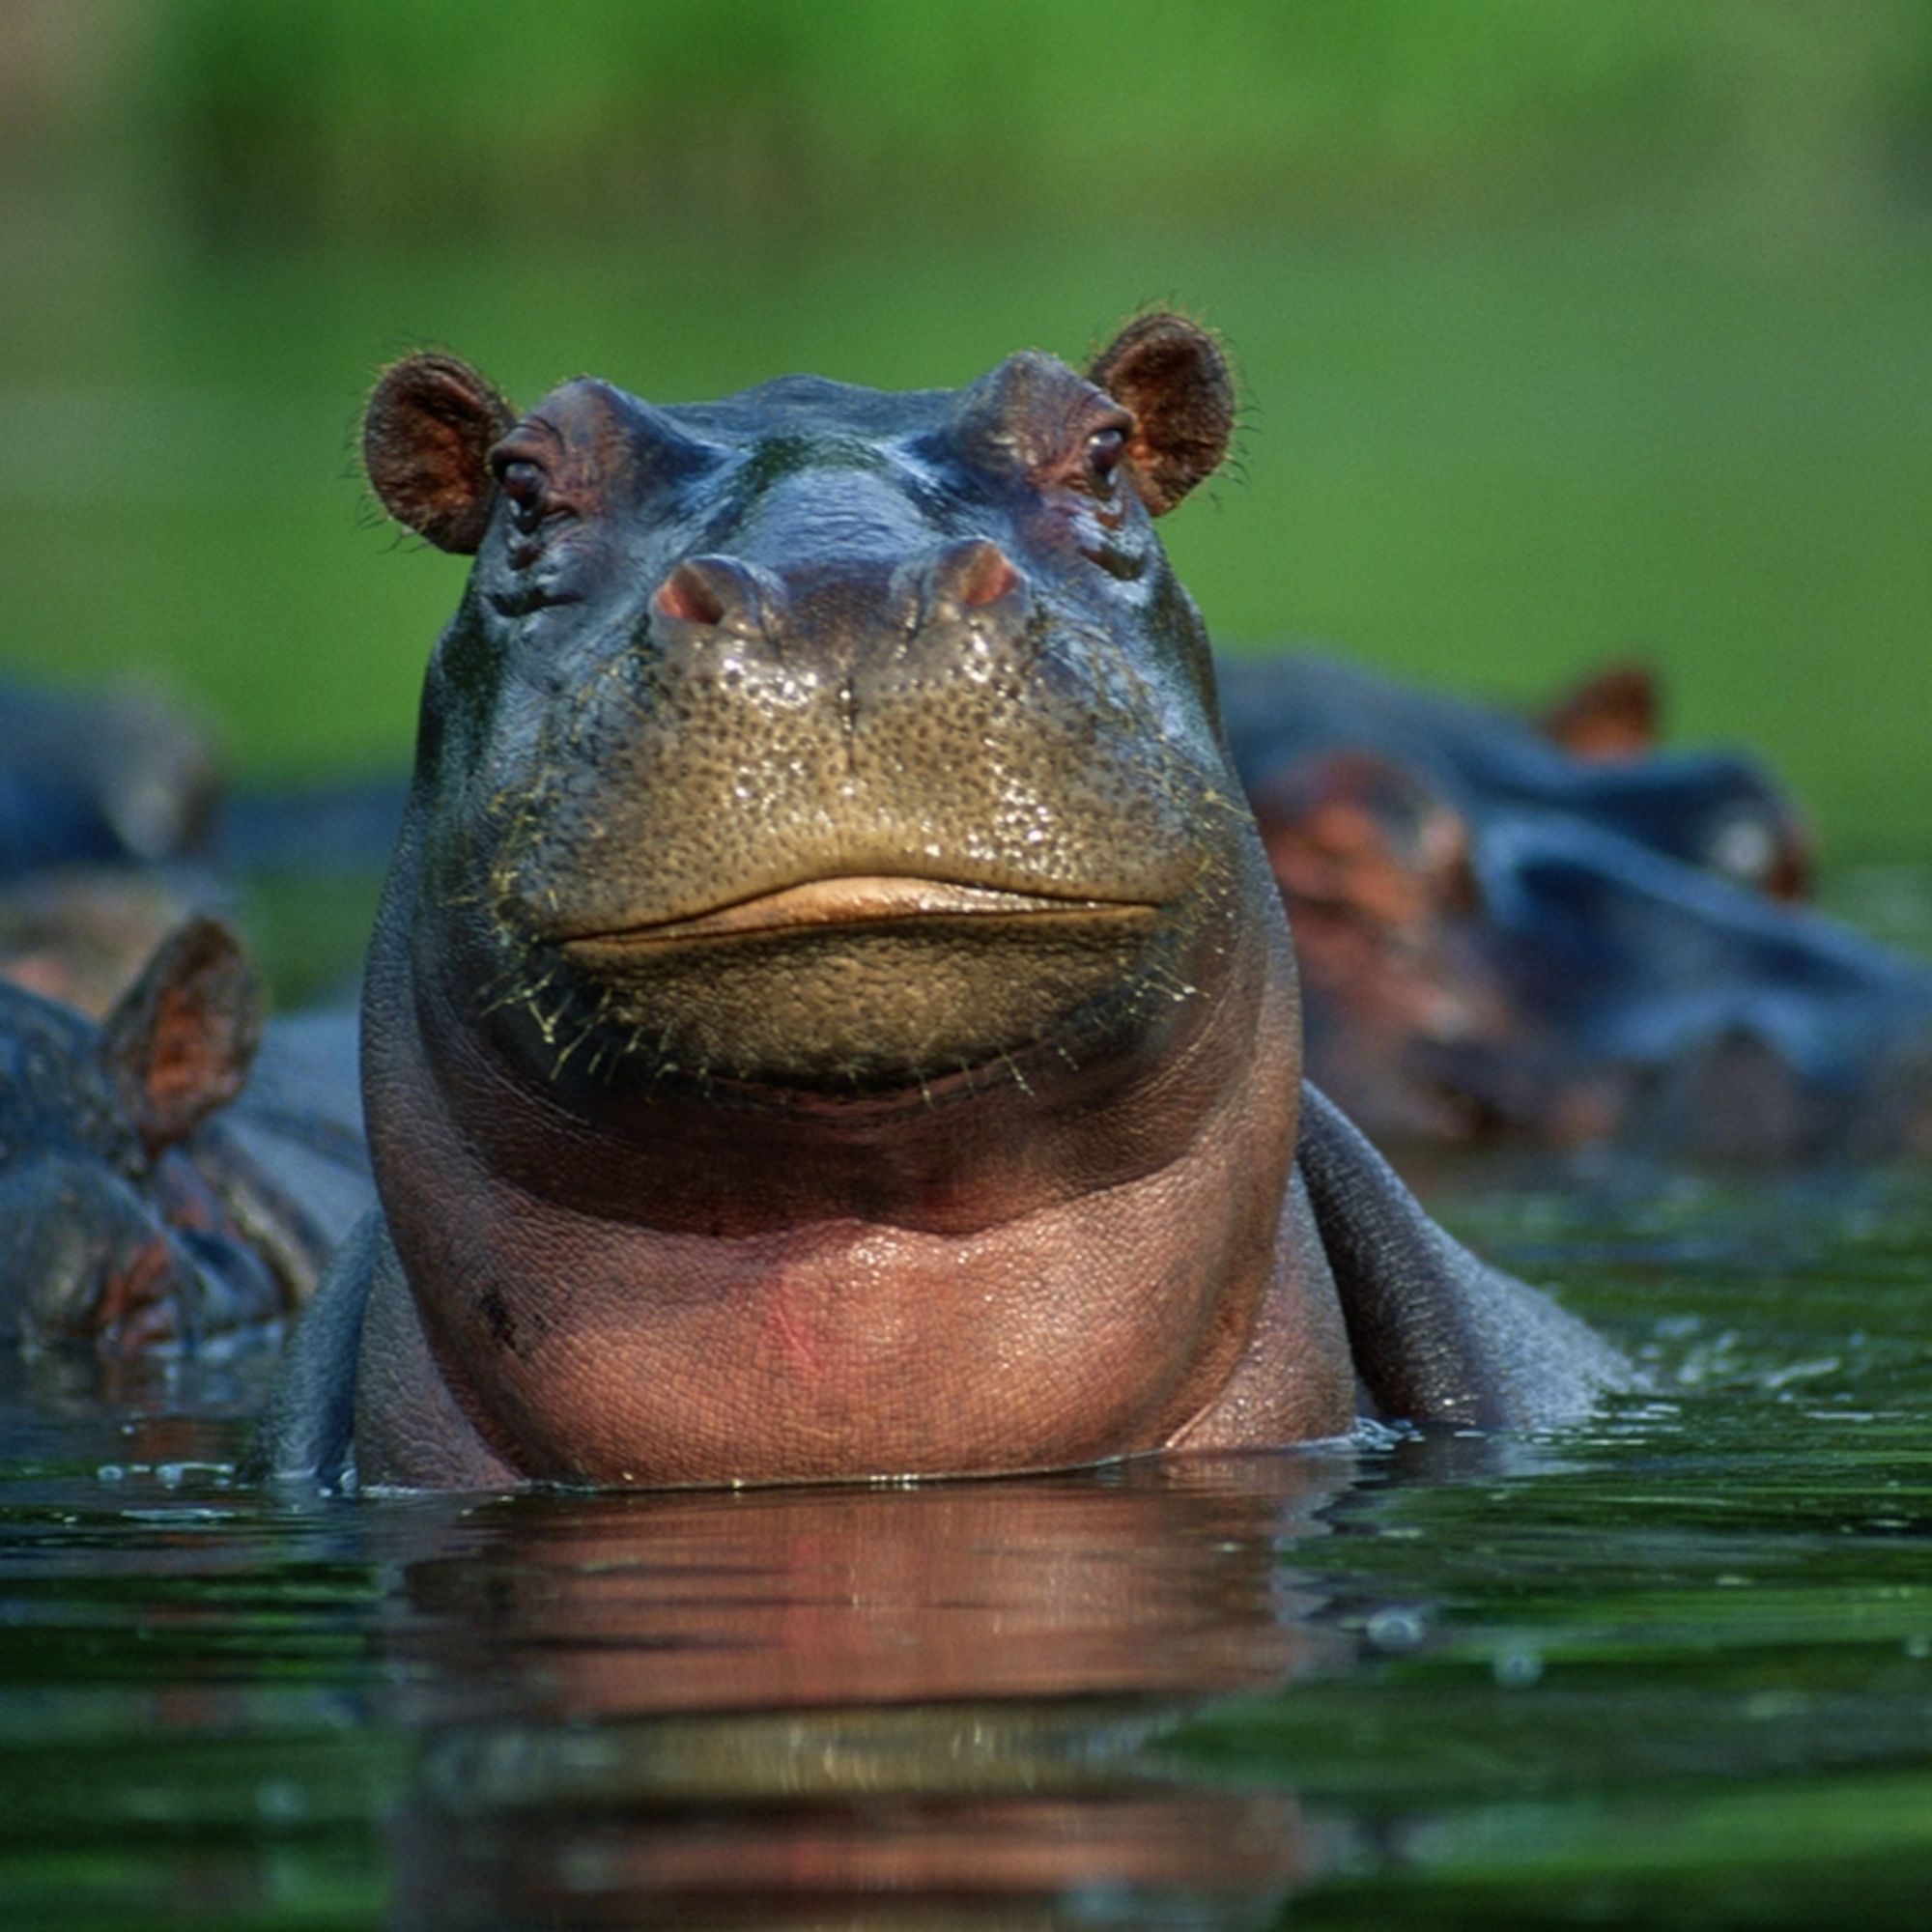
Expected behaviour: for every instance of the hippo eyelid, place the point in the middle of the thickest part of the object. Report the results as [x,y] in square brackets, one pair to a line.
[1071,465]
[508,457]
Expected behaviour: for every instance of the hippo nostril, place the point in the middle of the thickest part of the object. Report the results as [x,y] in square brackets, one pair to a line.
[971,575]
[985,576]
[717,592]
[684,594]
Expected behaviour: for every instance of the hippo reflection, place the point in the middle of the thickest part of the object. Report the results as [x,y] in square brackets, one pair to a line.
[854,1705]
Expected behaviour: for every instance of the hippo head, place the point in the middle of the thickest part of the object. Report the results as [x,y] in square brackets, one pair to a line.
[819,741]
[827,947]
[110,1234]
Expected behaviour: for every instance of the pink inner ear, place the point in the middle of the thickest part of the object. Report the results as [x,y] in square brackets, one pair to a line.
[179,1042]
[426,442]
[193,1066]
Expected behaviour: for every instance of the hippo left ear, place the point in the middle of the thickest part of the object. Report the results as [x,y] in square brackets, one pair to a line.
[1174,377]
[180,1041]
[426,443]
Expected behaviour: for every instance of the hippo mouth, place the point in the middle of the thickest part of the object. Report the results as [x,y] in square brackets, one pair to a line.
[855,982]
[869,899]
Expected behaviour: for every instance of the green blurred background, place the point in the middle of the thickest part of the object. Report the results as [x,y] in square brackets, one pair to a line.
[1570,329]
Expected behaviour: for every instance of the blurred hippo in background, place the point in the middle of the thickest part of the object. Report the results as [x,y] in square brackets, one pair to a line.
[81,934]
[1558,934]
[176,1173]
[110,803]
[119,776]
[117,826]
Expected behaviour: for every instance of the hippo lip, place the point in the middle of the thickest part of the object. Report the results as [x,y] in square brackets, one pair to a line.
[858,899]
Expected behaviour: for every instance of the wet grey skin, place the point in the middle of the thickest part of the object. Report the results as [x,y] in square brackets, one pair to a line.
[829,1014]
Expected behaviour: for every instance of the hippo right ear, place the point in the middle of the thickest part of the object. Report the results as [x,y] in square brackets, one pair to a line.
[1174,377]
[426,443]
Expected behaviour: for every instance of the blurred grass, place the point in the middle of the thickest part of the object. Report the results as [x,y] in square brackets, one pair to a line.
[1567,332]
[365,115]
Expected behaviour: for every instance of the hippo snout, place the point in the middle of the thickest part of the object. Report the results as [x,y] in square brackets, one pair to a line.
[836,619]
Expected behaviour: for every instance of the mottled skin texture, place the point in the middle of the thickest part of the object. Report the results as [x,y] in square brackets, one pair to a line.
[830,1014]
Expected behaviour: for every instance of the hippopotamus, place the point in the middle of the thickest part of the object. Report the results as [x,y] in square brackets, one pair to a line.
[117,776]
[1553,933]
[830,1014]
[82,934]
[1590,759]
[148,1203]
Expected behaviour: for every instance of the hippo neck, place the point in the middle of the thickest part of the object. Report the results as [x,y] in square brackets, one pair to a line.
[1071,1295]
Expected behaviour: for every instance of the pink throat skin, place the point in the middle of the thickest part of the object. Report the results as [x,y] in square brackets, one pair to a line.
[1084,1285]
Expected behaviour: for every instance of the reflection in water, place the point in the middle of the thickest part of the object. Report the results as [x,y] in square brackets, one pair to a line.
[851,1706]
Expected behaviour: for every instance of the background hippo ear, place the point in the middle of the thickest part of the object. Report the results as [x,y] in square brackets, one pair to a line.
[179,1043]
[426,443]
[1612,714]
[1174,377]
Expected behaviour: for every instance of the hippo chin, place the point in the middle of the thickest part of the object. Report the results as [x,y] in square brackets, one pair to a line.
[831,1014]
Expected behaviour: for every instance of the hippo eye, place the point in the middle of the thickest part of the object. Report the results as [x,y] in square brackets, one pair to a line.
[524,484]
[1745,849]
[1104,450]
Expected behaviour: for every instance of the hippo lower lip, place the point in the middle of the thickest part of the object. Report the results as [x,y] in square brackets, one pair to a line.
[860,901]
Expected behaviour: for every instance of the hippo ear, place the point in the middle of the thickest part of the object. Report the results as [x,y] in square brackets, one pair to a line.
[426,443]
[1611,715]
[1174,377]
[178,1042]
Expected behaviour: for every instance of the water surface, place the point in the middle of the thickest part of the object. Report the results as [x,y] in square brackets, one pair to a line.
[1671,1668]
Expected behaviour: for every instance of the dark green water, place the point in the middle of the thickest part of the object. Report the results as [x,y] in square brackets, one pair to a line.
[1672,1669]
